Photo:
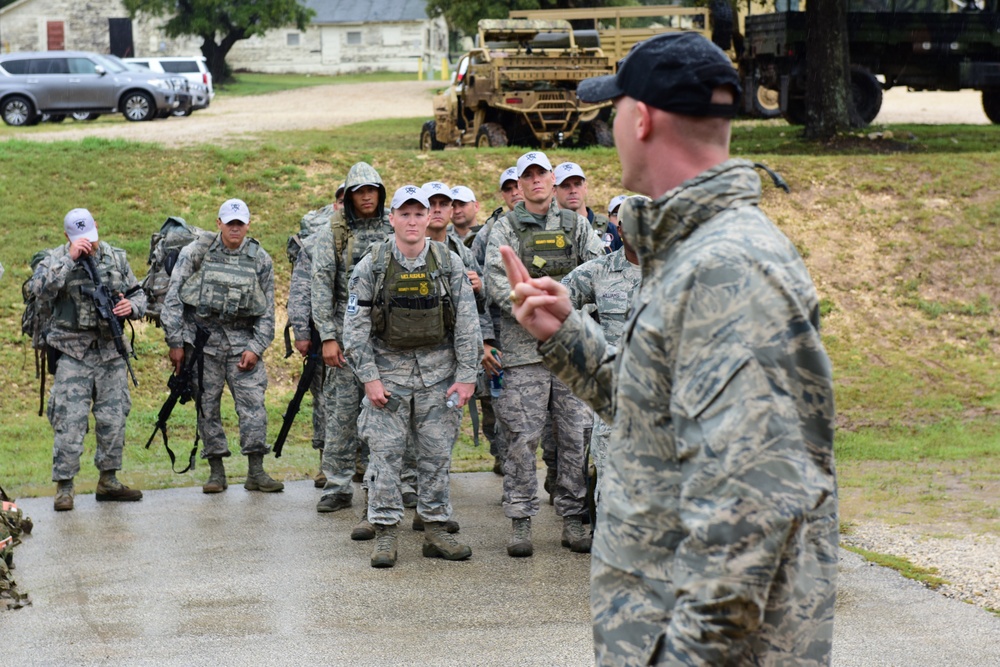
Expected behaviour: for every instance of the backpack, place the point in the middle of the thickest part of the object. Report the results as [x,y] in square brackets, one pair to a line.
[35,325]
[164,247]
[13,524]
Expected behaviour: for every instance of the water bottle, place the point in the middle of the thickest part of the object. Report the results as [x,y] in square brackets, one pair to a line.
[452,400]
[496,381]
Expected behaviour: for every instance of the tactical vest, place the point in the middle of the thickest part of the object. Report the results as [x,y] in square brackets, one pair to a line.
[73,309]
[226,286]
[412,308]
[547,252]
[349,251]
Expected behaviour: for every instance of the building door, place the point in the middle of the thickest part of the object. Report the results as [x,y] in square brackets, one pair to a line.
[120,33]
[55,34]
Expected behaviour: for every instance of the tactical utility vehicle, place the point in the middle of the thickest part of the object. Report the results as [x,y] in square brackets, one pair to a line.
[518,87]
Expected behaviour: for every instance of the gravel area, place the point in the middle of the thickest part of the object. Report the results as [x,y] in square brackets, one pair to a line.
[970,564]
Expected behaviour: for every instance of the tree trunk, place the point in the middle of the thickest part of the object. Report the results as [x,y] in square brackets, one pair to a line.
[215,54]
[828,90]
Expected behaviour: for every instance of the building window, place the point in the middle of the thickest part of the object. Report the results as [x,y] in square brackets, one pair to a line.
[354,38]
[292,39]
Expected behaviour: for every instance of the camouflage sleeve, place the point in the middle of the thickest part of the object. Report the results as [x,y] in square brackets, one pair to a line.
[300,295]
[580,283]
[50,275]
[479,245]
[324,275]
[263,328]
[579,356]
[137,297]
[588,241]
[358,322]
[469,260]
[497,285]
[172,311]
[468,337]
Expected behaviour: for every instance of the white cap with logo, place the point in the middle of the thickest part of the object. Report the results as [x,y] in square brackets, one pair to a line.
[79,224]
[615,202]
[567,169]
[528,159]
[234,210]
[509,174]
[434,188]
[409,193]
[462,194]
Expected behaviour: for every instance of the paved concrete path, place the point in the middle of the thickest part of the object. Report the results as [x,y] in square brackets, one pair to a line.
[241,578]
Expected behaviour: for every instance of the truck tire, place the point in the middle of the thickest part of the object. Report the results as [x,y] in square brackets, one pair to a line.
[428,137]
[491,135]
[766,103]
[18,111]
[991,105]
[866,92]
[597,133]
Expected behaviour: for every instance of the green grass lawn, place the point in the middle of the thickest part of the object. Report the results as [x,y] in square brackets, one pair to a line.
[900,234]
[252,83]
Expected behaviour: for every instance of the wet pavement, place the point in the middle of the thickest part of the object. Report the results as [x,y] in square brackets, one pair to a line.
[183,578]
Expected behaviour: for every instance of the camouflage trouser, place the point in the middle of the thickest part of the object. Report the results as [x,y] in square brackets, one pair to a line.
[549,439]
[422,412]
[529,393]
[319,407]
[247,388]
[599,450]
[408,475]
[342,393]
[492,428]
[78,385]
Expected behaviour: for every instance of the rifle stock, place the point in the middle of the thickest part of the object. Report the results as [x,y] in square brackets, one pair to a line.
[104,303]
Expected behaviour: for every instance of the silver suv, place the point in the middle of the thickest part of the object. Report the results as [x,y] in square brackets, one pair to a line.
[65,82]
[192,68]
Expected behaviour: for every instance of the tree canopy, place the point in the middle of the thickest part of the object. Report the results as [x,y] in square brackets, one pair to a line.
[230,20]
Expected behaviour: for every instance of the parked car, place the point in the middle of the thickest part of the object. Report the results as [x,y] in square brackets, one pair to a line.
[181,86]
[69,82]
[193,68]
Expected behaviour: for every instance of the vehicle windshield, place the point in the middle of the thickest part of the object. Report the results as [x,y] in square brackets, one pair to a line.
[110,63]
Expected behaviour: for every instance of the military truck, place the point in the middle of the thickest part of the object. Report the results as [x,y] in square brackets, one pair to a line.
[518,87]
[920,44]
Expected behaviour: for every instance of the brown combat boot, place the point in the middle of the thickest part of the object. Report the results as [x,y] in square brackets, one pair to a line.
[319,481]
[519,544]
[217,482]
[438,543]
[575,536]
[257,479]
[363,530]
[450,525]
[64,495]
[384,554]
[110,489]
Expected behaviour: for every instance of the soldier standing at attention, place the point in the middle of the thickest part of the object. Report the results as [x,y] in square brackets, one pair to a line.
[716,540]
[608,284]
[336,251]
[412,335]
[90,374]
[226,285]
[571,193]
[464,209]
[553,242]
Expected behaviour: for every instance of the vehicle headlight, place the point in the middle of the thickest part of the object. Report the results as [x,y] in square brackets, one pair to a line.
[160,83]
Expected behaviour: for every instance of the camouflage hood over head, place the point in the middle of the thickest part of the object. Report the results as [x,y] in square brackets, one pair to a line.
[660,223]
[362,173]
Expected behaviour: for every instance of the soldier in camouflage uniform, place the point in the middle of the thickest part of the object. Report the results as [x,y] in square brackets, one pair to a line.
[613,207]
[337,249]
[90,373]
[13,524]
[716,540]
[299,309]
[554,241]
[411,333]
[225,283]
[464,209]
[571,193]
[608,284]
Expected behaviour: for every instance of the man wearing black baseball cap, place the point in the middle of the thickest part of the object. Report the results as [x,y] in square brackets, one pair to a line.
[716,535]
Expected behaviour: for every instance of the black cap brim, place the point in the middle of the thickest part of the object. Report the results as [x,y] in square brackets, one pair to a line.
[599,89]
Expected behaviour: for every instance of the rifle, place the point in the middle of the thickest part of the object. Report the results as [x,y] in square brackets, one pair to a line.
[313,364]
[104,302]
[181,391]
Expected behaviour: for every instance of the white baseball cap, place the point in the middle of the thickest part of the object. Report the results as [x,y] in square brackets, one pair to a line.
[234,209]
[79,224]
[615,202]
[462,194]
[509,174]
[528,159]
[567,169]
[409,193]
[434,188]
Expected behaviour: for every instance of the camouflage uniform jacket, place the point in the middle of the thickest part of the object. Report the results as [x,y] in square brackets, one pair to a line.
[456,245]
[720,478]
[457,356]
[299,292]
[179,320]
[330,273]
[609,283]
[518,346]
[48,283]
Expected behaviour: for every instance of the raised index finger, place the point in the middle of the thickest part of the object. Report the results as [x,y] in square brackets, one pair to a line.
[516,272]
